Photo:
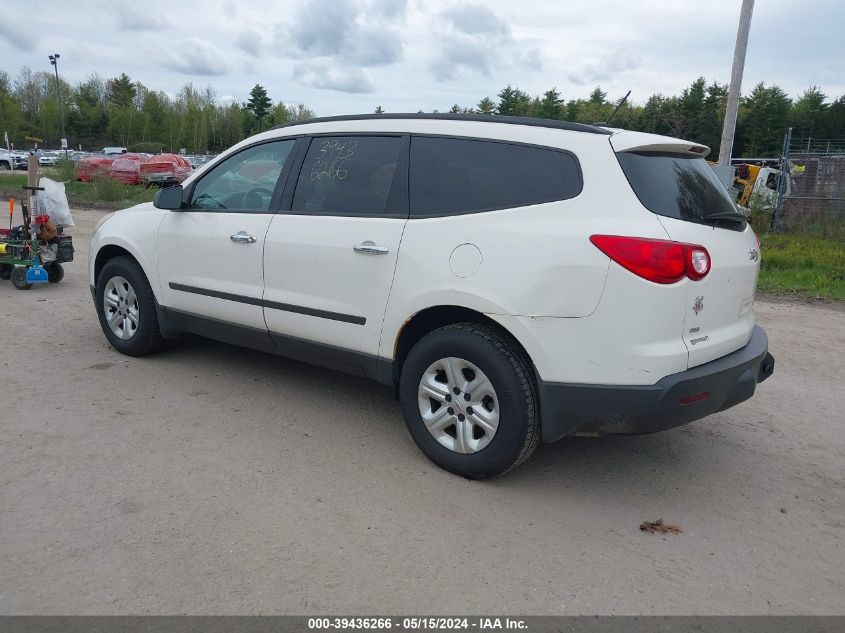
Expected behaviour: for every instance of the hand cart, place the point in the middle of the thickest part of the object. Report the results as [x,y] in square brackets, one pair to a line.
[25,259]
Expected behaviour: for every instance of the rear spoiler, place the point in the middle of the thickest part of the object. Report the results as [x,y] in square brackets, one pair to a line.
[624,141]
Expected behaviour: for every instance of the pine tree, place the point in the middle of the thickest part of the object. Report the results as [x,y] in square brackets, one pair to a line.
[258,103]
[551,106]
[486,106]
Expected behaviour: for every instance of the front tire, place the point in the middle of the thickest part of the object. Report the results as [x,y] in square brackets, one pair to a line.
[126,308]
[468,397]
[19,278]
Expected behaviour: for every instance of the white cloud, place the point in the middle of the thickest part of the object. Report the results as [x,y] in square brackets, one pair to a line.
[352,55]
[326,75]
[195,56]
[15,35]
[132,18]
[474,40]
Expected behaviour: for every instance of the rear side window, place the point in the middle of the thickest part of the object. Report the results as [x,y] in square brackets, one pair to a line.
[680,187]
[347,175]
[453,176]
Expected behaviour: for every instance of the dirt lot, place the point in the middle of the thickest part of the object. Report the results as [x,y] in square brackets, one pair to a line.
[215,480]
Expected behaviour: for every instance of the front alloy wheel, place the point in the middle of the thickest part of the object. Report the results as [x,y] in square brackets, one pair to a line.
[126,308]
[121,308]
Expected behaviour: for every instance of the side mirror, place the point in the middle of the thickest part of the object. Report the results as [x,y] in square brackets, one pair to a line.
[169,198]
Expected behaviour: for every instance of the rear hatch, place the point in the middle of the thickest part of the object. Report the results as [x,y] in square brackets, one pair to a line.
[673,181]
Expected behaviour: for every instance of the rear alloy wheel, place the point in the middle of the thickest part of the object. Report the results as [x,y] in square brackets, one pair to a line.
[467,394]
[458,405]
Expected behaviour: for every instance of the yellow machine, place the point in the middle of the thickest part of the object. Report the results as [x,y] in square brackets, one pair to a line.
[753,182]
[744,181]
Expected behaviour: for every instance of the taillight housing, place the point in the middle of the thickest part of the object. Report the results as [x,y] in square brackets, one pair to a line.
[659,261]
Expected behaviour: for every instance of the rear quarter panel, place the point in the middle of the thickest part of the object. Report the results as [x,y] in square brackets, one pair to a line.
[535,261]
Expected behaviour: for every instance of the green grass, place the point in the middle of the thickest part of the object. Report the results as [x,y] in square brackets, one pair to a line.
[103,193]
[803,265]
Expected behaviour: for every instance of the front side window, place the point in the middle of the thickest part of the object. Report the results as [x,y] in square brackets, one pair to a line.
[453,175]
[348,175]
[244,181]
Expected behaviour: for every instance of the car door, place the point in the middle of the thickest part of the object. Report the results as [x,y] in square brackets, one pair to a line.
[210,252]
[330,255]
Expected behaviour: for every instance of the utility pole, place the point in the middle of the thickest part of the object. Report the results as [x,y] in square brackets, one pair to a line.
[729,126]
[54,61]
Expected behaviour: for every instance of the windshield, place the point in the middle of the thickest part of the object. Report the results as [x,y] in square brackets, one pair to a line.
[676,186]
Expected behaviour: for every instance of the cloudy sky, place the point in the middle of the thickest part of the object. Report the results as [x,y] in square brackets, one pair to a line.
[345,56]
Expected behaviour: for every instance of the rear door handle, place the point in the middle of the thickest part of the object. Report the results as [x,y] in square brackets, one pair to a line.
[370,248]
[242,237]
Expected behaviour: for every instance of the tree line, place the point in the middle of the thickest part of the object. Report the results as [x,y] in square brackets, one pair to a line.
[696,114]
[120,111]
[101,112]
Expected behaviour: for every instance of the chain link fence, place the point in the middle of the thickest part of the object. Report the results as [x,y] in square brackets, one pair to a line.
[813,192]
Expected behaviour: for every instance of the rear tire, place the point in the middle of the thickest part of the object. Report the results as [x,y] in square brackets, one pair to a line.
[55,273]
[465,439]
[130,322]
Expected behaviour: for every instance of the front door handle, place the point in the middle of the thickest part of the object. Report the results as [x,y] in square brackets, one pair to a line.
[242,237]
[370,248]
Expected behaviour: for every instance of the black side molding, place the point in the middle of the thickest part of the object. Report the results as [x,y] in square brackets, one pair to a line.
[273,305]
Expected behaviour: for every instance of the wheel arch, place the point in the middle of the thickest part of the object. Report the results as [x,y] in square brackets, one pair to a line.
[112,249]
[108,252]
[434,317]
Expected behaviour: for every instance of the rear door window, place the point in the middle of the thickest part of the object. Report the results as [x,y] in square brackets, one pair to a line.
[455,176]
[676,186]
[347,175]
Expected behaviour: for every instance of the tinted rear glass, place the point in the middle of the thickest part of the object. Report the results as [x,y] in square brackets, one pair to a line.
[451,175]
[347,175]
[676,186]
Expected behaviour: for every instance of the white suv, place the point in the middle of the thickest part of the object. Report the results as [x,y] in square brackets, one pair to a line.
[513,279]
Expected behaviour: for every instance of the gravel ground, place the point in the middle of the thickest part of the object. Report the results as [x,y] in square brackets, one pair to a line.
[213,480]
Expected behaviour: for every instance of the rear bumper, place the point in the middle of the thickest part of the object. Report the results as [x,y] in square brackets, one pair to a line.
[677,399]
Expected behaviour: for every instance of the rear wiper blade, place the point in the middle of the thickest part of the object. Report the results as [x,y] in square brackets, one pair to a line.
[732,216]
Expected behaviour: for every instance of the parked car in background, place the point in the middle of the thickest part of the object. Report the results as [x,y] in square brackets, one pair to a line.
[199,161]
[12,160]
[48,160]
[127,168]
[87,166]
[110,151]
[513,279]
[164,169]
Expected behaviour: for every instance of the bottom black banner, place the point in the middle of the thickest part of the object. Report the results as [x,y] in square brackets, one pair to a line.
[535,624]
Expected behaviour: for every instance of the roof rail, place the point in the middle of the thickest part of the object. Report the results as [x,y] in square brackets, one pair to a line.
[486,118]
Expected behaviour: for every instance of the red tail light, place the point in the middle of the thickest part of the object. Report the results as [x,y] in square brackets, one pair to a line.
[660,261]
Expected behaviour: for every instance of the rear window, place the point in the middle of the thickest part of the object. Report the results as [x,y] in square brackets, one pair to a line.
[454,176]
[347,175]
[680,187]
